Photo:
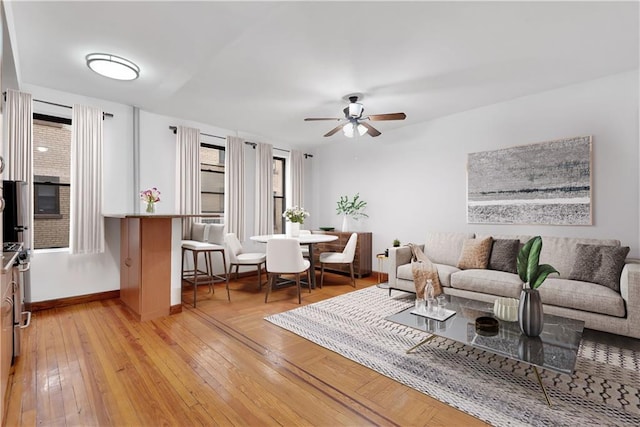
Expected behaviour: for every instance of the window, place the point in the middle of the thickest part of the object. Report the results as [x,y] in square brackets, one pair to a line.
[51,181]
[46,196]
[278,194]
[212,180]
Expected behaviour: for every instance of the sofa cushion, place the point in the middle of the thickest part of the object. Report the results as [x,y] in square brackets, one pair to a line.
[475,253]
[599,264]
[560,252]
[504,253]
[489,282]
[445,248]
[583,296]
[444,273]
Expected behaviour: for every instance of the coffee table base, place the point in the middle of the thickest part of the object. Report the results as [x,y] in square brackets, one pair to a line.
[535,369]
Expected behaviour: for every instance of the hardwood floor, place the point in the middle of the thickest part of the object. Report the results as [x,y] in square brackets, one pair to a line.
[219,364]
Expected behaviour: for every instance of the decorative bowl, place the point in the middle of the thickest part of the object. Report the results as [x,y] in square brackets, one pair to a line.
[506,309]
[327,228]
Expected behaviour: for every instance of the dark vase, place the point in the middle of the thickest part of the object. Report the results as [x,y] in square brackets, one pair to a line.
[530,315]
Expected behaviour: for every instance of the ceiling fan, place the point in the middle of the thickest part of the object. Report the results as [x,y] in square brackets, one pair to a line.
[355,121]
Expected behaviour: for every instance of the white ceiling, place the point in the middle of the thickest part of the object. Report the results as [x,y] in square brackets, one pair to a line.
[262,67]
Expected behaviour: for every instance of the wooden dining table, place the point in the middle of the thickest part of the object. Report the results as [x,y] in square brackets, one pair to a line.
[305,239]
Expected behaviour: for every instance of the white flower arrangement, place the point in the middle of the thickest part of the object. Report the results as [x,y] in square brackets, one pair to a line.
[295,214]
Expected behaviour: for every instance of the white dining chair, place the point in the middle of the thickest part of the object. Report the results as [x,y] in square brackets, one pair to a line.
[345,257]
[284,256]
[305,248]
[197,244]
[238,257]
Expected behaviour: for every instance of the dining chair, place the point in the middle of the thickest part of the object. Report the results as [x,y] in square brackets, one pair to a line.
[238,257]
[305,248]
[345,257]
[284,256]
[197,244]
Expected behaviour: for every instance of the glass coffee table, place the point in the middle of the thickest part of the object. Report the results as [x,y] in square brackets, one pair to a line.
[555,349]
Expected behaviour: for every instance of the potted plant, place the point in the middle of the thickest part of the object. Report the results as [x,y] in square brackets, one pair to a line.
[350,208]
[396,243]
[532,274]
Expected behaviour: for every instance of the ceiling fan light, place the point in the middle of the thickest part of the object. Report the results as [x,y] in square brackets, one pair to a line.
[348,130]
[362,130]
[355,109]
[112,66]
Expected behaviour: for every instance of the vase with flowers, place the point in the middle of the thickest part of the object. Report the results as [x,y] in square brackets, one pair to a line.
[350,208]
[295,216]
[150,197]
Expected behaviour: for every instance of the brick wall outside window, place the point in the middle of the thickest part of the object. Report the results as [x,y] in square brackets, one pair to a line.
[53,232]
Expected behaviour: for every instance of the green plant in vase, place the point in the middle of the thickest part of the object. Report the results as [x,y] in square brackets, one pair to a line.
[350,208]
[530,313]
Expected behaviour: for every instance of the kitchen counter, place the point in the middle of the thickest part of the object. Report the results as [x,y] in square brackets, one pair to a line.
[9,258]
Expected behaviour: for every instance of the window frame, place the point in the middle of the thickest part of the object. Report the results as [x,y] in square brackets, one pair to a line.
[40,181]
[278,215]
[214,147]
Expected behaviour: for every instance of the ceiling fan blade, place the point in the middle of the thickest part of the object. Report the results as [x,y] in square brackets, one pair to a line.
[312,119]
[371,130]
[334,130]
[388,116]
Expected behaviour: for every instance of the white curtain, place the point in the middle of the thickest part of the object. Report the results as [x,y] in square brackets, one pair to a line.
[297,178]
[188,176]
[234,187]
[19,160]
[264,189]
[87,222]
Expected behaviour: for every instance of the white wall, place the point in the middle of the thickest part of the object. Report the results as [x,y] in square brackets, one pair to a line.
[414,179]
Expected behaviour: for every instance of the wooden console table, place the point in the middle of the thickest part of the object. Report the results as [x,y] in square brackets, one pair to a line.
[362,260]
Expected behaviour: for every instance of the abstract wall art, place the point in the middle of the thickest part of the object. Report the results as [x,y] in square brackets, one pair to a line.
[545,183]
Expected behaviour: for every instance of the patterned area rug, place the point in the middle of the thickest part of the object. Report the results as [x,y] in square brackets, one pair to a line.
[602,391]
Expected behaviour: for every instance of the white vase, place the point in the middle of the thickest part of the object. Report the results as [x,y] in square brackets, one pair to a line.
[345,223]
[293,229]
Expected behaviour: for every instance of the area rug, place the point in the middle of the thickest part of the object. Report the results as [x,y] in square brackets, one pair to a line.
[499,391]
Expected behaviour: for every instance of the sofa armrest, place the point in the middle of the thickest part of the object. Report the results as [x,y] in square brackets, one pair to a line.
[397,257]
[630,291]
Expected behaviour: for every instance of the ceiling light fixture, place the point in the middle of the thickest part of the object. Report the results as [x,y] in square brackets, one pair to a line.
[349,129]
[112,66]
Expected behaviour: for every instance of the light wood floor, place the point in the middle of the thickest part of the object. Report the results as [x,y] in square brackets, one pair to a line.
[219,364]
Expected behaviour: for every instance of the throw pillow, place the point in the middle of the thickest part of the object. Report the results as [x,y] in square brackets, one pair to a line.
[599,264]
[504,255]
[475,253]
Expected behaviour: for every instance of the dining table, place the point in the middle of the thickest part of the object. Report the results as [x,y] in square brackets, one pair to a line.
[310,240]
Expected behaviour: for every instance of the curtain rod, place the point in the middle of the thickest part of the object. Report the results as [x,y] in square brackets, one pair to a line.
[252,144]
[4,94]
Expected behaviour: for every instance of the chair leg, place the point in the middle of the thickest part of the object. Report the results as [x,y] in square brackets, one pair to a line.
[226,274]
[237,268]
[298,286]
[182,266]
[309,279]
[353,279]
[321,274]
[269,282]
[259,276]
[209,265]
[195,277]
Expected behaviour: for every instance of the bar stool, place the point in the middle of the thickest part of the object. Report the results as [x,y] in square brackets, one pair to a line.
[199,244]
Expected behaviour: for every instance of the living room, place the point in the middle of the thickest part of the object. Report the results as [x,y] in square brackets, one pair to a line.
[413,176]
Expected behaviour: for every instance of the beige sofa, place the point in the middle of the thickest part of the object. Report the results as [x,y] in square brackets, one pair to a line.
[600,307]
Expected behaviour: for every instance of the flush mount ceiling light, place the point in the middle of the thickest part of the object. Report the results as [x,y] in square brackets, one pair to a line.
[112,66]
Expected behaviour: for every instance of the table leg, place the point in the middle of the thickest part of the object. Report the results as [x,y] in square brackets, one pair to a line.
[424,341]
[312,267]
[546,396]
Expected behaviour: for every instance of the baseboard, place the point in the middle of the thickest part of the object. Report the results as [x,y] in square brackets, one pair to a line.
[64,302]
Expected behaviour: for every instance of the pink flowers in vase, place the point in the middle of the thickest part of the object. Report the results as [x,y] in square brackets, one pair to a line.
[150,197]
